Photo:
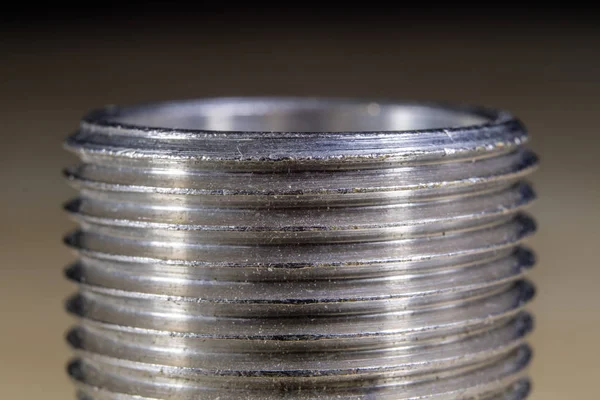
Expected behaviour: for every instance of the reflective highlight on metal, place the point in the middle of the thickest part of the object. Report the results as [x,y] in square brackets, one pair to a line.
[270,248]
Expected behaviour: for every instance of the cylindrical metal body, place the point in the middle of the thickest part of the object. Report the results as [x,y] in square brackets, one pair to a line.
[271,248]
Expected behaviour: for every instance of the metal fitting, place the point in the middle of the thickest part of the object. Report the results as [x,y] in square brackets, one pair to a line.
[270,248]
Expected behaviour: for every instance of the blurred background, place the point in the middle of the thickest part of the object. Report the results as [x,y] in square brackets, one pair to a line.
[57,62]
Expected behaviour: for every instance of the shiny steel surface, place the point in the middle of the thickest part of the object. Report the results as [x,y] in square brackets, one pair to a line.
[300,249]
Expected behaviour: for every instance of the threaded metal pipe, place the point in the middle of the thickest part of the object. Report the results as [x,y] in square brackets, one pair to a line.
[272,248]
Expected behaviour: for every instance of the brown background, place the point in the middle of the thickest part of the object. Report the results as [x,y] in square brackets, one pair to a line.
[543,67]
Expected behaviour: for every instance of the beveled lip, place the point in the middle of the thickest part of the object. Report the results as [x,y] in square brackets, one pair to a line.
[104,117]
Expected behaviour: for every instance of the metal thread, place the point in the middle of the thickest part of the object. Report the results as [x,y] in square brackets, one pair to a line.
[300,249]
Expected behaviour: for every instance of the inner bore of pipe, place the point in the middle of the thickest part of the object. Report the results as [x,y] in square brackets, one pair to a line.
[296,116]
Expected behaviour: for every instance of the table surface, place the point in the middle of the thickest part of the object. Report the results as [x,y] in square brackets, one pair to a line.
[548,76]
